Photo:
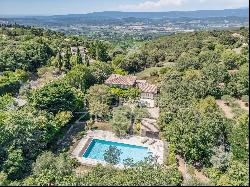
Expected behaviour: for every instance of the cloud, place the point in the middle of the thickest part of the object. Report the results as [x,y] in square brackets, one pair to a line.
[153,5]
[167,5]
[225,3]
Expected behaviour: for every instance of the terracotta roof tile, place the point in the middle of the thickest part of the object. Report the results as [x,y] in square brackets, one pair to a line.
[148,88]
[129,80]
[121,80]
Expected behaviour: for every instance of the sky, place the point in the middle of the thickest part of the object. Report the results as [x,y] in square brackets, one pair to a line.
[56,7]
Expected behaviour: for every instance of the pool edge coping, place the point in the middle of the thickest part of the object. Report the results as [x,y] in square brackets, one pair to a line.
[85,142]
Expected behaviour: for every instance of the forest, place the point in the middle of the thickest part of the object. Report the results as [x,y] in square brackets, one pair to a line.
[43,87]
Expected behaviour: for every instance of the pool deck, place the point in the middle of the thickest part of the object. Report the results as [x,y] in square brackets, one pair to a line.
[157,148]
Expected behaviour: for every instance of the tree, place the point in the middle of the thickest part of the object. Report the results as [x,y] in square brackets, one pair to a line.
[24,134]
[118,59]
[215,74]
[242,78]
[14,165]
[86,60]
[121,121]
[99,99]
[11,59]
[239,138]
[100,71]
[140,113]
[66,60]
[142,174]
[230,59]
[58,61]
[208,57]
[80,77]
[120,71]
[50,169]
[57,96]
[196,130]
[221,158]
[10,82]
[78,57]
[112,155]
[37,54]
[188,61]
[98,51]
[30,130]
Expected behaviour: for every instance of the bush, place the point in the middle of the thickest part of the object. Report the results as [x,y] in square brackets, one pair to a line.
[238,111]
[245,98]
[3,179]
[171,159]
[154,73]
[227,99]
[10,82]
[42,71]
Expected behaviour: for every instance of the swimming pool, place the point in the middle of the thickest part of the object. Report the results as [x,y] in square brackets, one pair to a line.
[97,148]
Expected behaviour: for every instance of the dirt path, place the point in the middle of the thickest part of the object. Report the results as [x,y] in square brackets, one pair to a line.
[183,169]
[242,105]
[226,109]
[200,176]
[181,166]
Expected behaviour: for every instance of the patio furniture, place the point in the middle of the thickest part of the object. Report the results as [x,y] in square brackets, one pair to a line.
[144,140]
[151,142]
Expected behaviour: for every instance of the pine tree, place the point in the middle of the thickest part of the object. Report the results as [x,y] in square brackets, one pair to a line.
[86,60]
[78,57]
[59,62]
[66,60]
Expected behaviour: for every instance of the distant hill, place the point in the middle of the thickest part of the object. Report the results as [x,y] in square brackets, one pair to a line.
[243,12]
[155,21]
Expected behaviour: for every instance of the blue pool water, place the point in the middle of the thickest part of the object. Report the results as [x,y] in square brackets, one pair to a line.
[97,149]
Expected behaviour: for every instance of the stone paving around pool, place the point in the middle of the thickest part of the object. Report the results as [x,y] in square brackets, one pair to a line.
[156,148]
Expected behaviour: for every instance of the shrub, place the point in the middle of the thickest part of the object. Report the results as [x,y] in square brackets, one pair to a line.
[138,128]
[154,73]
[171,159]
[10,82]
[227,99]
[245,98]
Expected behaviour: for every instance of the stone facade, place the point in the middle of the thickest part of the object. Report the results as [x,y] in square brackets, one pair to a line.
[148,91]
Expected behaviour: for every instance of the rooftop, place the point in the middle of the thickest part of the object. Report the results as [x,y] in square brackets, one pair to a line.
[147,88]
[116,79]
[129,80]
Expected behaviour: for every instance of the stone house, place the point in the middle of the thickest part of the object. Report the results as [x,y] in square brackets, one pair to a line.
[148,91]
[121,81]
